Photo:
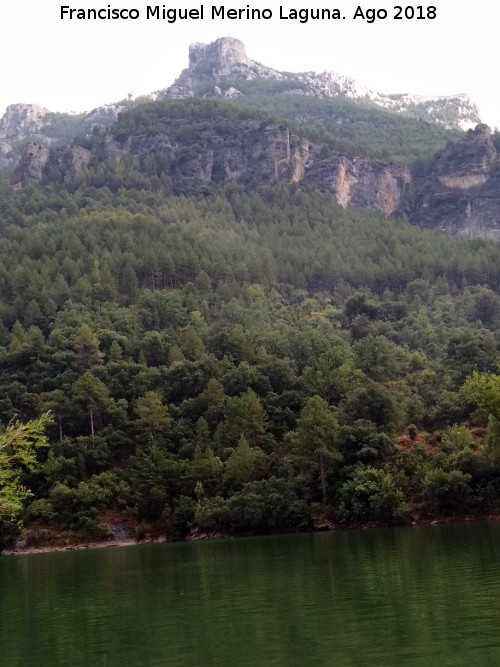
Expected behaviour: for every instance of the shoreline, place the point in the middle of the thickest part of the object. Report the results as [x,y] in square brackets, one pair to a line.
[194,537]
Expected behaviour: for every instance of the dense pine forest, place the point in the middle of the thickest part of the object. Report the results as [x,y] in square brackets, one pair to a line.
[238,359]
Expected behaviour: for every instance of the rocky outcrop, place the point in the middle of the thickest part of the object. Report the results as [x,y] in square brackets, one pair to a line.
[226,60]
[362,182]
[254,153]
[35,159]
[22,121]
[226,55]
[450,111]
[30,122]
[462,194]
[19,123]
[70,158]
[259,154]
[104,116]
[6,155]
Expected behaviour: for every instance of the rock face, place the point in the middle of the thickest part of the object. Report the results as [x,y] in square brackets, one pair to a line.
[227,55]
[250,153]
[70,158]
[30,168]
[362,182]
[35,158]
[226,60]
[22,121]
[255,154]
[462,195]
[104,116]
[221,60]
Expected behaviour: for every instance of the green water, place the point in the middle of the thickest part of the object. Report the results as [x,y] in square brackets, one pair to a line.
[410,596]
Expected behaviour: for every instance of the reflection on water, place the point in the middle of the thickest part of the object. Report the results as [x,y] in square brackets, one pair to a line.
[408,596]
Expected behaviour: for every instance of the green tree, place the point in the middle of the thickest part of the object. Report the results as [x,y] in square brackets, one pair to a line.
[87,347]
[115,351]
[192,346]
[483,390]
[315,440]
[447,491]
[332,373]
[151,413]
[35,341]
[18,447]
[243,415]
[59,404]
[18,338]
[254,417]
[214,396]
[206,468]
[370,493]
[370,401]
[240,466]
[93,395]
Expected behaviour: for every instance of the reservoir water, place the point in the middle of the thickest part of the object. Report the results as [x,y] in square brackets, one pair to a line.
[427,595]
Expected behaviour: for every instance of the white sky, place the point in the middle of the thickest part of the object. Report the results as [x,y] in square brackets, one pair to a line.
[80,64]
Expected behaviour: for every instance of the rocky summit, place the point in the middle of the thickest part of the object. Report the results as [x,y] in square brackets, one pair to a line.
[226,60]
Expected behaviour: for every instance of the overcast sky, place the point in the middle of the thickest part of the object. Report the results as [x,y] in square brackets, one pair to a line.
[76,65]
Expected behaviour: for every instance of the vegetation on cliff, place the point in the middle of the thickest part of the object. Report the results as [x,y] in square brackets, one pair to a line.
[357,127]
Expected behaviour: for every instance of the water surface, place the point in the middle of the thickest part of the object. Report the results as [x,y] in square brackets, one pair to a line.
[425,596]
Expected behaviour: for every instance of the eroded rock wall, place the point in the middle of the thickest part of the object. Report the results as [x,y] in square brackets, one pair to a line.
[252,154]
[462,194]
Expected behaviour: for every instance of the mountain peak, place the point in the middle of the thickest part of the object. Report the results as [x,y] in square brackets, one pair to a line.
[226,59]
[226,53]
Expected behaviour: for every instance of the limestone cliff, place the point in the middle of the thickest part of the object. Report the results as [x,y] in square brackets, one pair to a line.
[254,153]
[35,159]
[362,182]
[216,145]
[20,122]
[250,152]
[30,168]
[462,194]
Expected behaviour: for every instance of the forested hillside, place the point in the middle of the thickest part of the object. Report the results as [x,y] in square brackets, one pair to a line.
[355,127]
[239,358]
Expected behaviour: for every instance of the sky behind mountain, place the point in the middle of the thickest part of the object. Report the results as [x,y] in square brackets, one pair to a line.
[76,65]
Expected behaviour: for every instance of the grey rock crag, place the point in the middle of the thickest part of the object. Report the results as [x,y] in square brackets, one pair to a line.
[462,194]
